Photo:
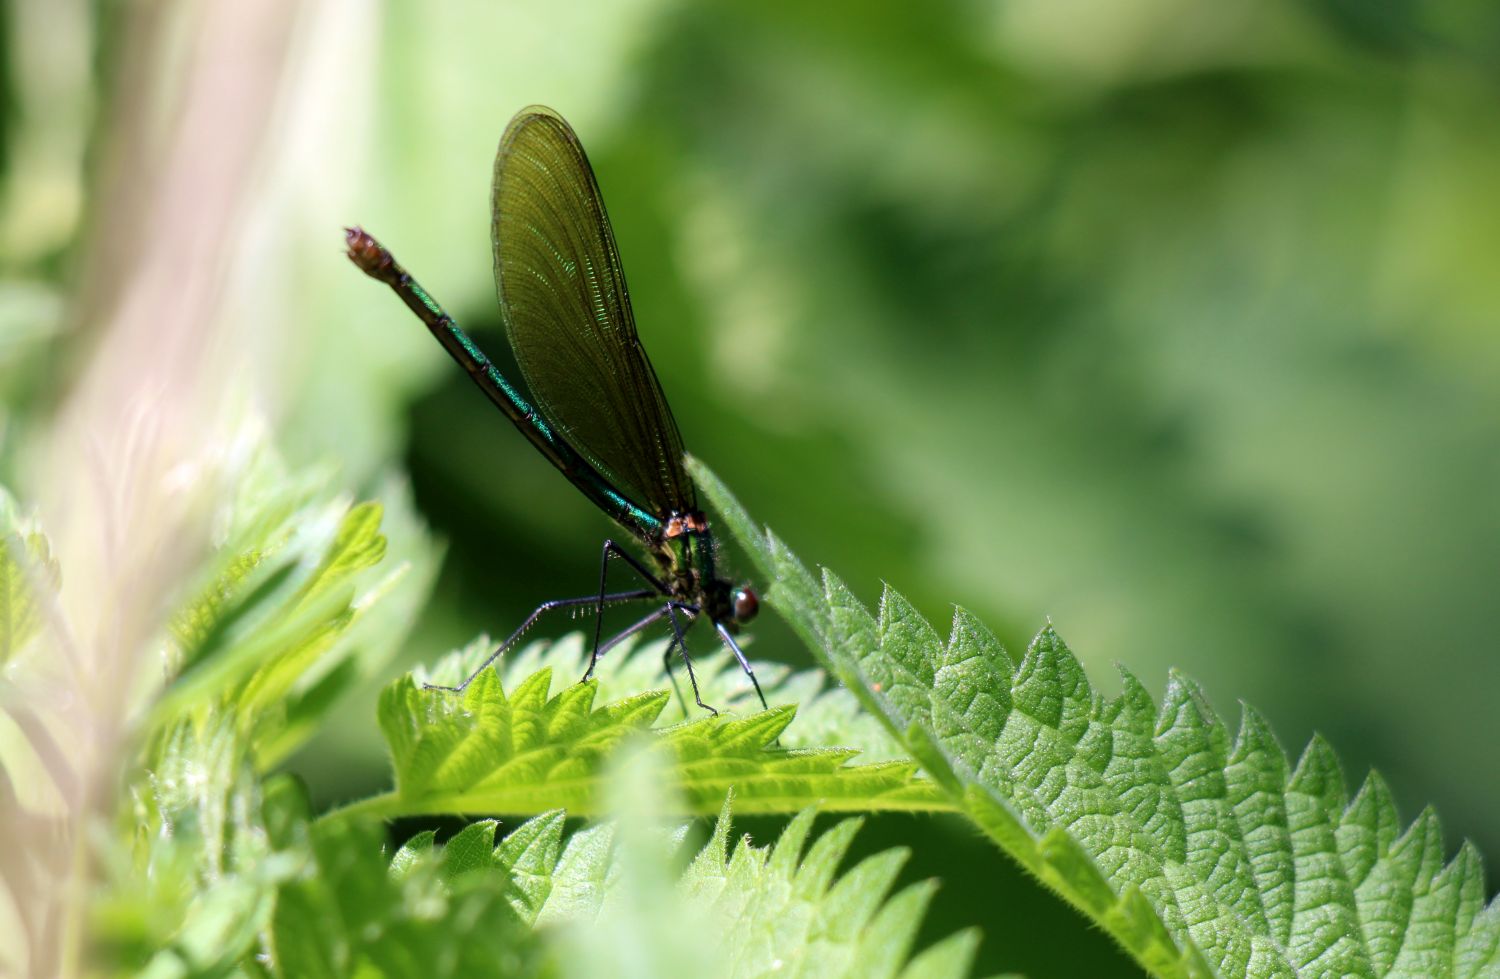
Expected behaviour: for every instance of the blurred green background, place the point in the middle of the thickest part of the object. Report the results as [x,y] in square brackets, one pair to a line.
[1175,323]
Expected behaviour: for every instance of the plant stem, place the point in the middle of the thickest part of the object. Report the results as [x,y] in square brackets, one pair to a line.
[386,805]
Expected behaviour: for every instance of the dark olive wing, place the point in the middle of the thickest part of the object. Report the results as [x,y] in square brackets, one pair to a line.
[567,312]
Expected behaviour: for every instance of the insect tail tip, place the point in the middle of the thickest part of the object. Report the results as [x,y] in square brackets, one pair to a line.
[365,251]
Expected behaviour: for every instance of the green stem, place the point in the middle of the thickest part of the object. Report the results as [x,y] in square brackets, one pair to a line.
[386,805]
[389,805]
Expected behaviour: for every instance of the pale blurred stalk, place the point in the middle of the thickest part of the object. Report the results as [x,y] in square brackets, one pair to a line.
[125,474]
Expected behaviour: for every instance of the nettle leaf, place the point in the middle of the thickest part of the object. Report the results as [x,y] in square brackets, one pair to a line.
[736,909]
[275,635]
[208,848]
[1204,853]
[546,875]
[27,572]
[210,844]
[781,910]
[37,765]
[42,744]
[530,750]
[827,714]
[351,913]
[229,875]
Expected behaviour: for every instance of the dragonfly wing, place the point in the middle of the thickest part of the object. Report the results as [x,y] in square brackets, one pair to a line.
[567,313]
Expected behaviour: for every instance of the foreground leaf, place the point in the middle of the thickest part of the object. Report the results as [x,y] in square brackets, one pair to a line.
[529,750]
[37,769]
[293,609]
[198,886]
[827,715]
[780,910]
[27,571]
[205,844]
[1200,853]
[737,910]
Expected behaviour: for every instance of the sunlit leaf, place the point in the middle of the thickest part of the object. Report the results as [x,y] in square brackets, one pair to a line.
[736,910]
[529,750]
[1201,853]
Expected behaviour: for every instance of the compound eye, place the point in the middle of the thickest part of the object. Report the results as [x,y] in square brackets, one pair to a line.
[745,605]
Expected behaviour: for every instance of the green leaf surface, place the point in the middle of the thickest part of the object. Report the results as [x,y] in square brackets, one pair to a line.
[255,658]
[530,750]
[276,632]
[196,889]
[827,716]
[1202,852]
[354,914]
[27,569]
[736,910]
